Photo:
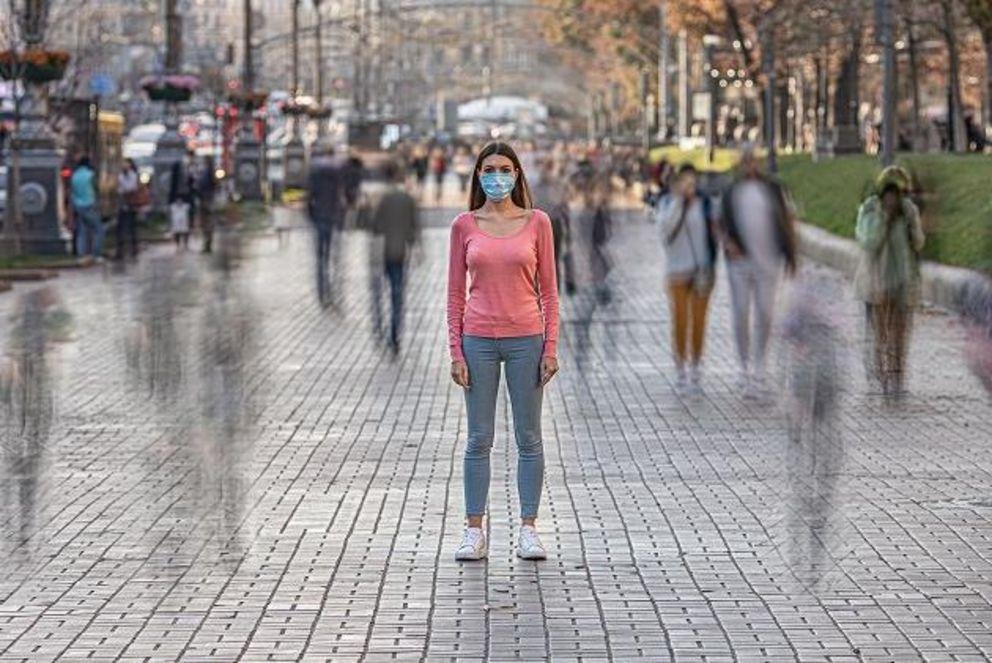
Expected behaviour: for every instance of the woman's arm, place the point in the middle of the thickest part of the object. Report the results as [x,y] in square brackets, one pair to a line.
[866,230]
[548,284]
[456,291]
[669,212]
[916,237]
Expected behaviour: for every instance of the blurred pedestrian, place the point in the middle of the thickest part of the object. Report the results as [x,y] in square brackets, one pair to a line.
[888,276]
[84,203]
[420,166]
[977,316]
[326,206]
[352,174]
[759,237]
[396,219]
[810,361]
[551,195]
[439,168]
[206,194]
[462,165]
[129,192]
[182,196]
[502,254]
[690,251]
[598,222]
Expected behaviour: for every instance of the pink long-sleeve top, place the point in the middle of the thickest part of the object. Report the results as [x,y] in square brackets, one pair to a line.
[500,287]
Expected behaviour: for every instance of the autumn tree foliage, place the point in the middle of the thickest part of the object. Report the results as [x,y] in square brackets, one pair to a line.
[829,46]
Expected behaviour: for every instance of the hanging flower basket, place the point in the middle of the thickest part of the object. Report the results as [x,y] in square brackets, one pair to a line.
[251,100]
[318,113]
[33,66]
[170,87]
[295,108]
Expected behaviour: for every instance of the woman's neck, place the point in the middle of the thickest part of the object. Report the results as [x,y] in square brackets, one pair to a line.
[501,207]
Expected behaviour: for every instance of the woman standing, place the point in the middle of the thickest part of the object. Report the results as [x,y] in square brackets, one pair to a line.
[129,190]
[690,249]
[888,277]
[509,316]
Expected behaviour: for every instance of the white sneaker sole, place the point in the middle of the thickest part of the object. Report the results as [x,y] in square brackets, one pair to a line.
[532,555]
[471,556]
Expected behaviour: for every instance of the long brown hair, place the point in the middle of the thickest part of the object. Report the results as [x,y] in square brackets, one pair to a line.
[521,191]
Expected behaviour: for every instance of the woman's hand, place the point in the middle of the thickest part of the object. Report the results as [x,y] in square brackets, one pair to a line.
[459,373]
[549,366]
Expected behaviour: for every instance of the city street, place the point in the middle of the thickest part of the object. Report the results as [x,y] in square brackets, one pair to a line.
[204,464]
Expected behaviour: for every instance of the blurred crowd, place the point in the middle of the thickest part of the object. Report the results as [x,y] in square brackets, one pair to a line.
[743,223]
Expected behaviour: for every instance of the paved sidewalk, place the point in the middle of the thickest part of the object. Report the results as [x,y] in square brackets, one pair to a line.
[215,468]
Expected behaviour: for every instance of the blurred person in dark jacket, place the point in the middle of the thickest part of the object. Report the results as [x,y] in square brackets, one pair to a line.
[206,192]
[353,172]
[759,237]
[326,206]
[396,219]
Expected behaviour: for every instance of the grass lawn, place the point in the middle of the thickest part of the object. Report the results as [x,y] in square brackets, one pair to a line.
[954,195]
[32,261]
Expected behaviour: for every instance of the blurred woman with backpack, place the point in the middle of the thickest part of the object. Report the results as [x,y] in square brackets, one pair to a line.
[690,251]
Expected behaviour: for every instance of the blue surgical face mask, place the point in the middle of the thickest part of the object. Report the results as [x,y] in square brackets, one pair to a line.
[496,185]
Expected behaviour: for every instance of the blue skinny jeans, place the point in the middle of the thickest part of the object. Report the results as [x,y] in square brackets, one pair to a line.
[521,359]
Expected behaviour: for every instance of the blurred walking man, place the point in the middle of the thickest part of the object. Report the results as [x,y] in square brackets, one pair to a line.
[759,238]
[397,219]
[325,203]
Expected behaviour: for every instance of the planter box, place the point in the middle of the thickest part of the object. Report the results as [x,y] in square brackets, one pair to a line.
[32,73]
[167,93]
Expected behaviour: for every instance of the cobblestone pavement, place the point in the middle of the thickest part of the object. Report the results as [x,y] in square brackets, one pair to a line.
[203,464]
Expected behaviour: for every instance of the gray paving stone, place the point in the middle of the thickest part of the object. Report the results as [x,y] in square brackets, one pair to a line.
[233,473]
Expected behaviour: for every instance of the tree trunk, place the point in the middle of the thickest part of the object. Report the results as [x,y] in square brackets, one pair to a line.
[957,139]
[912,43]
[987,119]
[846,96]
[819,104]
[767,38]
[886,40]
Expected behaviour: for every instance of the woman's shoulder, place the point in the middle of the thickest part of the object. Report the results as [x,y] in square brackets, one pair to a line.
[870,204]
[462,221]
[540,217]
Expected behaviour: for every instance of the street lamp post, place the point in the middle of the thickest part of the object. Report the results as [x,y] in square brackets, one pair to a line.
[663,46]
[170,146]
[683,127]
[248,150]
[883,18]
[710,43]
[35,185]
[294,154]
[319,57]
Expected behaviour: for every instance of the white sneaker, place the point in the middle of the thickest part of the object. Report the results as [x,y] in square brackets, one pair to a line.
[696,380]
[529,544]
[743,380]
[473,545]
[681,381]
[757,389]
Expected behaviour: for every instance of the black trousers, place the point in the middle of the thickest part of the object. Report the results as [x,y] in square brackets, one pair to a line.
[127,230]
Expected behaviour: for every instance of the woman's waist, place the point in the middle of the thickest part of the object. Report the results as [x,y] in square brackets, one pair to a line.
[502,323]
